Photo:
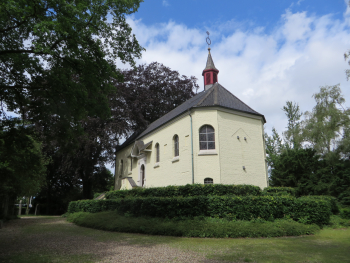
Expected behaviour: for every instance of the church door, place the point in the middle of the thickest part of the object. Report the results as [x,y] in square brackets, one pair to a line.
[142,175]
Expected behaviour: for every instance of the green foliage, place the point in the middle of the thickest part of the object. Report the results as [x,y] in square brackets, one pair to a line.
[279,191]
[332,201]
[323,126]
[22,164]
[186,191]
[196,227]
[56,58]
[296,168]
[307,210]
[338,222]
[345,213]
[293,134]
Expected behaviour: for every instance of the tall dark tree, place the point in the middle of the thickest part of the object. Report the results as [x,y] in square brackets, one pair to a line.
[147,93]
[150,91]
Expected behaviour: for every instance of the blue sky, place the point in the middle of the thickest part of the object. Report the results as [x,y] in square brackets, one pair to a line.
[204,13]
[268,52]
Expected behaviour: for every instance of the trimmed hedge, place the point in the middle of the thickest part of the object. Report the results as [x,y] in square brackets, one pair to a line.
[278,191]
[332,200]
[187,191]
[197,227]
[304,209]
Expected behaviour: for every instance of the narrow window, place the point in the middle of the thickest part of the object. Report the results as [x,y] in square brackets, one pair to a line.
[121,167]
[130,163]
[208,78]
[157,153]
[142,175]
[176,145]
[215,78]
[206,138]
[208,181]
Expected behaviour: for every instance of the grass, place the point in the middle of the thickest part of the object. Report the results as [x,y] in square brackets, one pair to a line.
[327,245]
[197,227]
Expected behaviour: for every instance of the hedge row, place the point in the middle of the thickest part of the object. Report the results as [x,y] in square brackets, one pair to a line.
[305,210]
[187,191]
[279,191]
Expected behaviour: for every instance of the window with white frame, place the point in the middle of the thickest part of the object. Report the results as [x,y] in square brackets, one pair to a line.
[206,138]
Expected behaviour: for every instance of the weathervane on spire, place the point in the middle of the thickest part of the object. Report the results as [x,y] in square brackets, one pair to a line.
[208,41]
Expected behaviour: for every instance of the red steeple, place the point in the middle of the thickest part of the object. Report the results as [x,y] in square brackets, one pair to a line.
[210,73]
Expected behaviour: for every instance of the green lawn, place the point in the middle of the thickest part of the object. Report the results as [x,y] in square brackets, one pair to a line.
[48,240]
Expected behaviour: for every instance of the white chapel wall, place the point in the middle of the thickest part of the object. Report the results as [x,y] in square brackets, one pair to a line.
[237,152]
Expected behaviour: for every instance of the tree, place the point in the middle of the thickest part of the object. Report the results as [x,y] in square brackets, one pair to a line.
[150,91]
[22,164]
[296,168]
[57,57]
[325,126]
[147,93]
[292,136]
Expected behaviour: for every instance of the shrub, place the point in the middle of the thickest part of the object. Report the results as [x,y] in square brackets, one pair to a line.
[197,227]
[186,191]
[278,191]
[305,210]
[345,213]
[332,201]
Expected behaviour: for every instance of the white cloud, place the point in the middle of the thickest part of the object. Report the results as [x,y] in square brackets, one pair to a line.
[263,69]
[165,3]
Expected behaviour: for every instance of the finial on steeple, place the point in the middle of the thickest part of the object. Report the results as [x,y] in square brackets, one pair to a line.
[208,41]
[210,72]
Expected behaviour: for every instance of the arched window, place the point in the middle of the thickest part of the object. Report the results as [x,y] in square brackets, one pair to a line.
[157,152]
[206,138]
[142,175]
[208,181]
[121,167]
[176,145]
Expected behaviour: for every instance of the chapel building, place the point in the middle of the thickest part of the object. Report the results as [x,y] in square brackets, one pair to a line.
[212,138]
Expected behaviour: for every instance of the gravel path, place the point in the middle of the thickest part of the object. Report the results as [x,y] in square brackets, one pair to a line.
[56,237]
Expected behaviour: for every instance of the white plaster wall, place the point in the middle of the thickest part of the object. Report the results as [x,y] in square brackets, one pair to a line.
[236,153]
[223,167]
[119,174]
[205,165]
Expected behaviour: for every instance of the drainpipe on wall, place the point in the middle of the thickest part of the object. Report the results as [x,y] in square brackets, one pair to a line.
[189,113]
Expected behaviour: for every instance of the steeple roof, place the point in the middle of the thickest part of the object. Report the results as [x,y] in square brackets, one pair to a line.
[210,62]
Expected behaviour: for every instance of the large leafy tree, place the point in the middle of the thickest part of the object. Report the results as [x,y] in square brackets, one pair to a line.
[147,93]
[57,57]
[150,91]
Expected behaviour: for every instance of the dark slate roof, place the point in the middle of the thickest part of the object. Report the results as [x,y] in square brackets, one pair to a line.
[217,95]
[129,140]
[210,62]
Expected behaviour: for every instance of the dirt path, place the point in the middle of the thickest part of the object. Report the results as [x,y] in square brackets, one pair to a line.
[55,240]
